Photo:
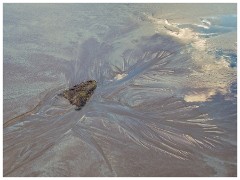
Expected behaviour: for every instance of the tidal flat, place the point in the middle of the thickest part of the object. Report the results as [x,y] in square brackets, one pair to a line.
[165,104]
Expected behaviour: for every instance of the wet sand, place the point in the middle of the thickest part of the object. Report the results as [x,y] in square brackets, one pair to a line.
[165,104]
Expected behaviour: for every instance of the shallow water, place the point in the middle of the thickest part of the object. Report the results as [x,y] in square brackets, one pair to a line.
[165,104]
[214,26]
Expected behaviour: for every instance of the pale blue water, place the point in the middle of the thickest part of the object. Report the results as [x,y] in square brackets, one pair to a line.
[215,26]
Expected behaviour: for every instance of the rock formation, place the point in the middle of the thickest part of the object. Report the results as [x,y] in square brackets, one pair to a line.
[79,94]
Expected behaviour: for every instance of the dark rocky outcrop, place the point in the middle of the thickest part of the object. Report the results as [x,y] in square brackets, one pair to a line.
[79,94]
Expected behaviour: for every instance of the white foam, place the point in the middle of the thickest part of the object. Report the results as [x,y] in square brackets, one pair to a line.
[201,25]
[120,76]
[206,22]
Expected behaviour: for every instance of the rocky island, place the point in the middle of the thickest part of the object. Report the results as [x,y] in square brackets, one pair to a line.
[79,94]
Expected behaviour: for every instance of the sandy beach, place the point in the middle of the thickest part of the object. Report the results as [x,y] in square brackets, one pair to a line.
[166,98]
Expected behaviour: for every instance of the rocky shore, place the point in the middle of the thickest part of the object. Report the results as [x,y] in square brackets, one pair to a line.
[79,94]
